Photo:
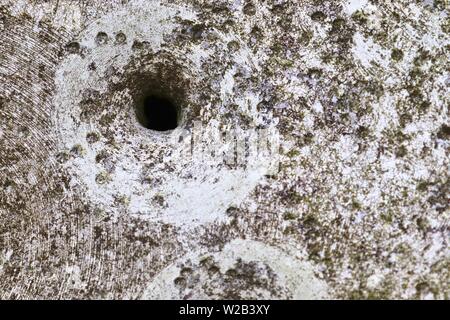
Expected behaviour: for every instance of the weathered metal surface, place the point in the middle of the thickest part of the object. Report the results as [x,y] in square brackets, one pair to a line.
[93,205]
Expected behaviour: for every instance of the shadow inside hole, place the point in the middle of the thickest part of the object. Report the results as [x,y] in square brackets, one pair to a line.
[158,113]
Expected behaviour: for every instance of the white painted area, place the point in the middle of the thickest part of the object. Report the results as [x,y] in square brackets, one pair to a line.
[197,190]
[294,274]
[227,85]
[317,107]
[351,6]
[367,52]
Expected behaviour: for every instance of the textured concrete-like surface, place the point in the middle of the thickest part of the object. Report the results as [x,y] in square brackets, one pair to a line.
[93,205]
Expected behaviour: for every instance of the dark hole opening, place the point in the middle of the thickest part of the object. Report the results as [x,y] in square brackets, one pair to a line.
[158,113]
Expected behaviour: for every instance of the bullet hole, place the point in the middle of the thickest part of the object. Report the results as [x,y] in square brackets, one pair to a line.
[159,201]
[160,95]
[92,137]
[249,9]
[318,16]
[101,38]
[444,132]
[121,38]
[213,270]
[92,66]
[180,282]
[198,31]
[233,46]
[231,273]
[158,113]
[397,55]
[77,150]
[140,45]
[137,45]
[338,25]
[73,47]
[102,178]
